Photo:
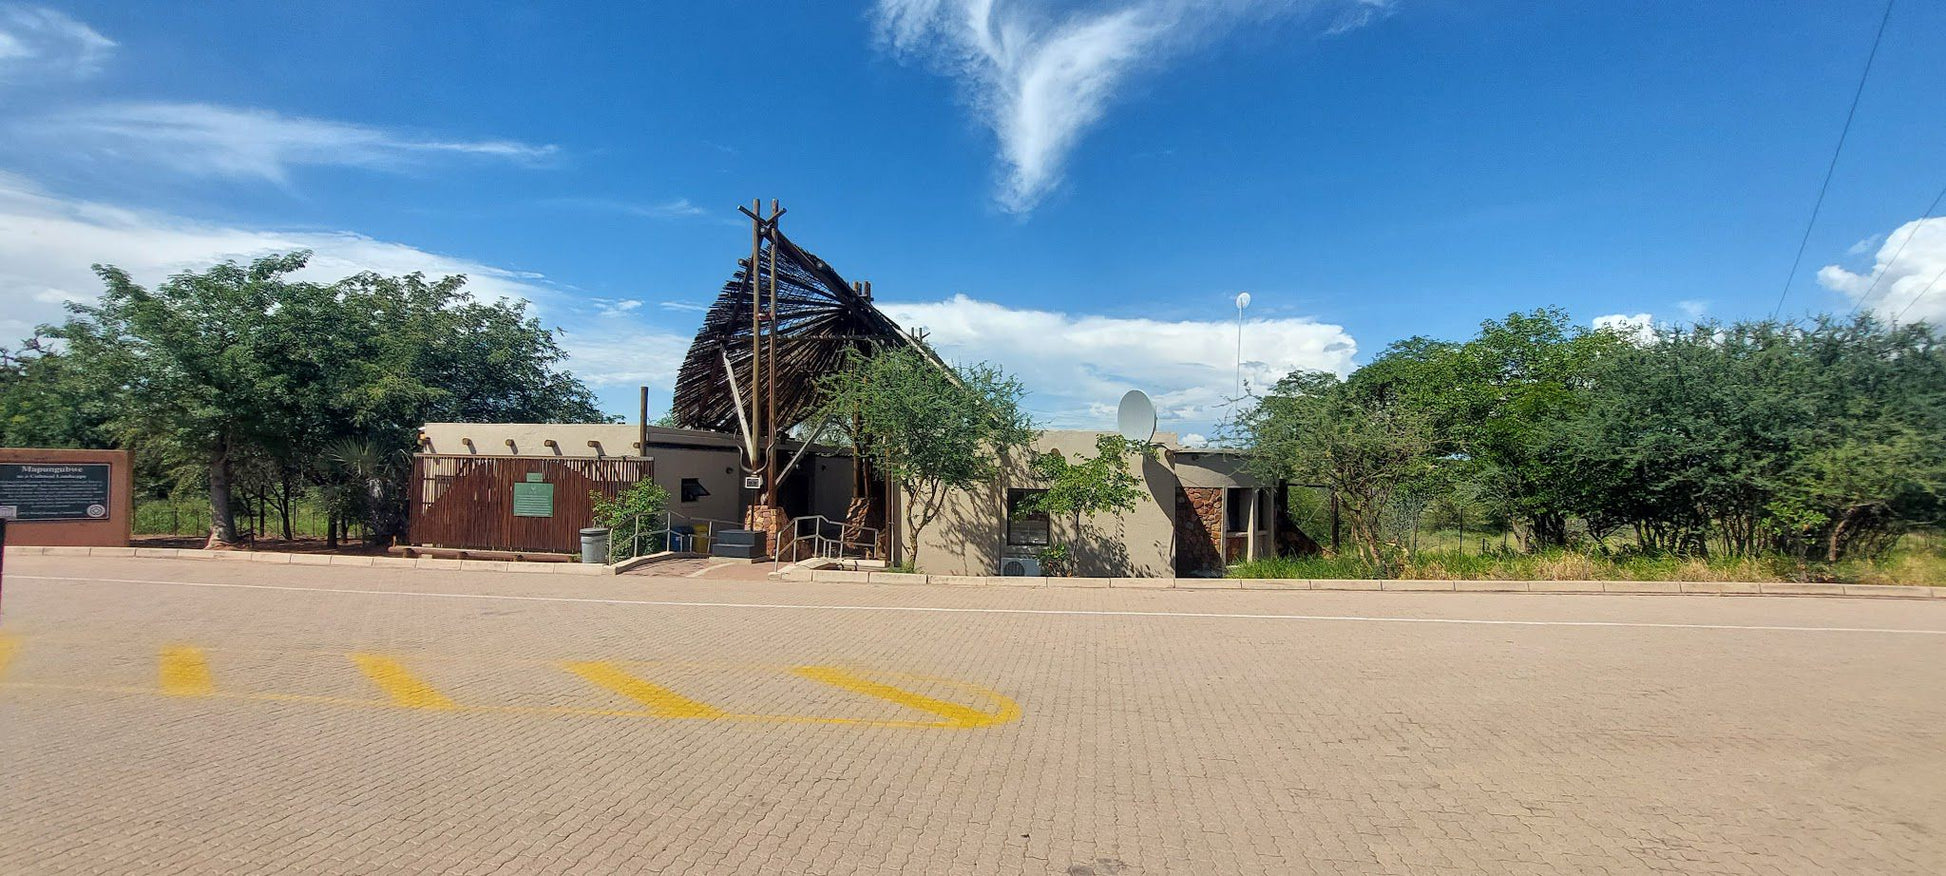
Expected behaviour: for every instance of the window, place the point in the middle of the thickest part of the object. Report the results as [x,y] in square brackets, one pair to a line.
[1236,511]
[692,489]
[1025,528]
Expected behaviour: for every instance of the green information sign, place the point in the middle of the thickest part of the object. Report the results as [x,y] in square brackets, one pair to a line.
[533,498]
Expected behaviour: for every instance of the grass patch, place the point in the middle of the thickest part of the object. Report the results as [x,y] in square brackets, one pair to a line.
[1919,558]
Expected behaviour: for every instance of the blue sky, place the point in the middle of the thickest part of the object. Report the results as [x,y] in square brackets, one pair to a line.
[1074,190]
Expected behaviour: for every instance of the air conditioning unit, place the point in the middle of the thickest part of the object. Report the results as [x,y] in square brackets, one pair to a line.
[1020,567]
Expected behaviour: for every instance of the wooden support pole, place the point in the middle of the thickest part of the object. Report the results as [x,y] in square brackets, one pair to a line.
[770,406]
[756,326]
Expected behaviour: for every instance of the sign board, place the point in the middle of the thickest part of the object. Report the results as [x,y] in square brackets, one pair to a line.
[53,491]
[533,498]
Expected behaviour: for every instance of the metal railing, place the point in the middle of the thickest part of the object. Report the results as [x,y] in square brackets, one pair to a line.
[671,531]
[829,539]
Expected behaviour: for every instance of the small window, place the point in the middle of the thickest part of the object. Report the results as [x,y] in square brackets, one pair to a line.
[1236,516]
[1025,528]
[692,489]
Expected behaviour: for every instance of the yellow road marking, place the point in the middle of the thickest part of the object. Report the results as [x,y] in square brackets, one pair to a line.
[955,714]
[185,672]
[401,685]
[661,701]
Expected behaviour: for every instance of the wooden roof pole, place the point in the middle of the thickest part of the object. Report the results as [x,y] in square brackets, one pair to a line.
[756,328]
[770,407]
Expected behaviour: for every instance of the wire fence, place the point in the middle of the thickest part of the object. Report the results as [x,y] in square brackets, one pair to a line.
[191,517]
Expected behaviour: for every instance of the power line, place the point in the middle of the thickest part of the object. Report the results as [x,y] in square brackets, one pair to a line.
[1833,167]
[1917,227]
[1922,294]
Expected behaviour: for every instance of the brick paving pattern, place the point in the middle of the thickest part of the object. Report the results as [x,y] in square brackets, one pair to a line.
[299,724]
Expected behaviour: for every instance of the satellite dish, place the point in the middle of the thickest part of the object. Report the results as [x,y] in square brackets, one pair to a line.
[1135,418]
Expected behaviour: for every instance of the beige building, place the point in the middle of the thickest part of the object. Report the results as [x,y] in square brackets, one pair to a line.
[1202,510]
[699,469]
[702,471]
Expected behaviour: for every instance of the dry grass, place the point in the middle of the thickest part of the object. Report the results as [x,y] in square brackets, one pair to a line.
[1919,559]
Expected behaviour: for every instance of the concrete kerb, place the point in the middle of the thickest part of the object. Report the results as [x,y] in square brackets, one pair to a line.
[840,576]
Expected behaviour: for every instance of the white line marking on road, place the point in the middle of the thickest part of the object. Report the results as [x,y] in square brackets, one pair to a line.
[922,609]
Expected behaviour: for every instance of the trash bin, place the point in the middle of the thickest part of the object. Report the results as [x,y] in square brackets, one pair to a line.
[594,546]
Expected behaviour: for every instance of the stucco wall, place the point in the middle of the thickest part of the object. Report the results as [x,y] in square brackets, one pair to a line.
[113,531]
[969,535]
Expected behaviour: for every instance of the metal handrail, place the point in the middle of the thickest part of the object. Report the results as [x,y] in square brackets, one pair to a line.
[823,545]
[669,539]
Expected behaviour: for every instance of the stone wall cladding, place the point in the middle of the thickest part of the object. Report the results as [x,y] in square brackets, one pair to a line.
[1199,530]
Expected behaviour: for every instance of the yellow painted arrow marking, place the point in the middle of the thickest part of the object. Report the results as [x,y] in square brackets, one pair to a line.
[661,701]
[955,714]
[185,672]
[400,684]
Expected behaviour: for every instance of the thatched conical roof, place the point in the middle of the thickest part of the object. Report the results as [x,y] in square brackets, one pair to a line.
[820,317]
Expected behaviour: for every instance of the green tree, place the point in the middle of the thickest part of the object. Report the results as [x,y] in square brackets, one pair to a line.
[1815,440]
[45,401]
[240,380]
[930,431]
[200,368]
[1500,407]
[1088,486]
[1366,448]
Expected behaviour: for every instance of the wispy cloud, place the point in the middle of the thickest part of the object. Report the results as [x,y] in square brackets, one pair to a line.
[37,41]
[1040,73]
[1188,366]
[683,306]
[1359,14]
[1907,280]
[674,208]
[221,141]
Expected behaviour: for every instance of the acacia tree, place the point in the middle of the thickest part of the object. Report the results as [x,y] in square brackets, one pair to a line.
[931,431]
[1500,407]
[202,366]
[234,364]
[1087,486]
[1818,441]
[1316,428]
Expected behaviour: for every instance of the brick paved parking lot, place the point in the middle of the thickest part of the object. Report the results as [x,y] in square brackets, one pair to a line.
[177,716]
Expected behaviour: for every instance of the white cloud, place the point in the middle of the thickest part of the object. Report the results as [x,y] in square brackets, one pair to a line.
[1193,439]
[1907,280]
[675,208]
[1039,76]
[47,244]
[1359,14]
[40,42]
[1693,308]
[1078,366]
[1639,326]
[219,141]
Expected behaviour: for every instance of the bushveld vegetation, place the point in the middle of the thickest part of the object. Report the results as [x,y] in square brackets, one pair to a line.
[1756,450]
[271,396]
